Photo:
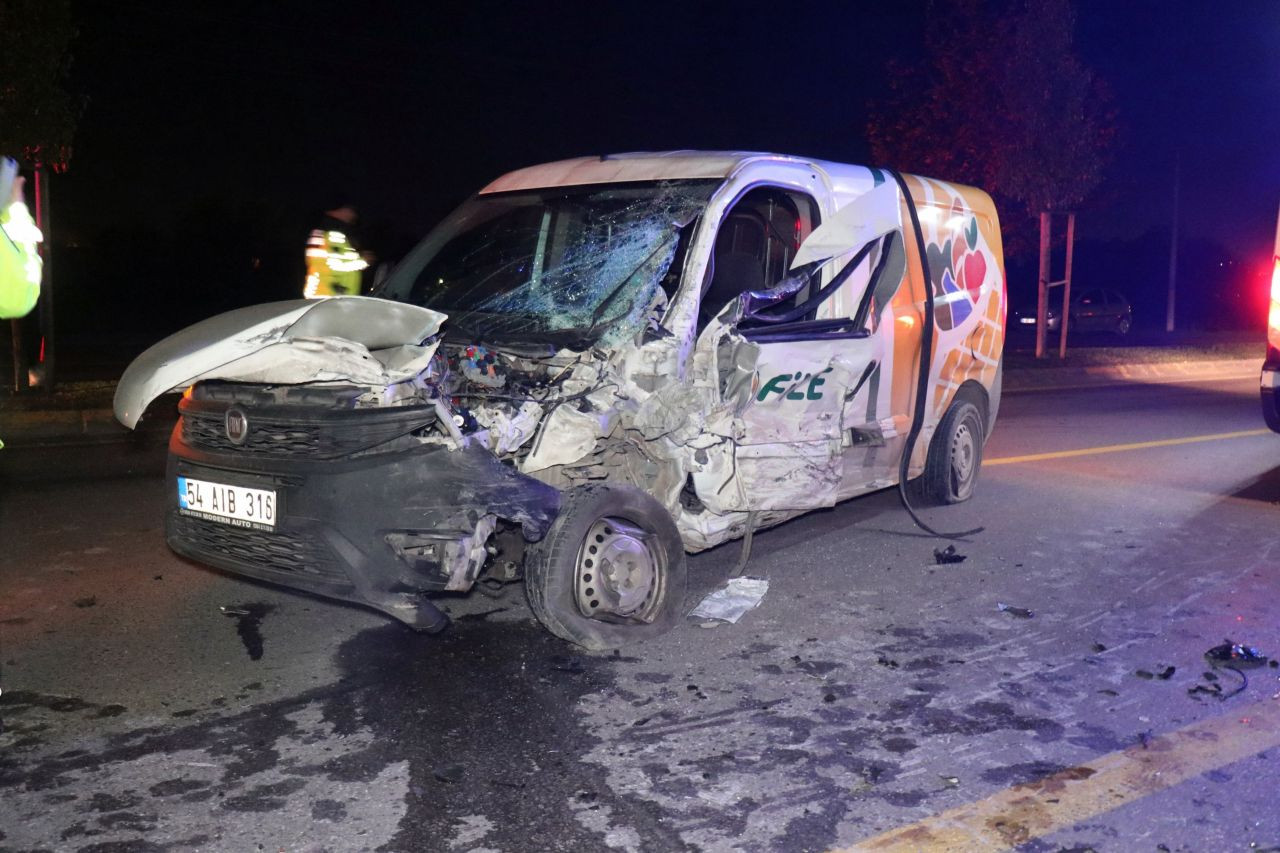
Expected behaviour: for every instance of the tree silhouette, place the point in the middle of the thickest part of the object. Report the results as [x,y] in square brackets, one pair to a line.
[37,114]
[1001,102]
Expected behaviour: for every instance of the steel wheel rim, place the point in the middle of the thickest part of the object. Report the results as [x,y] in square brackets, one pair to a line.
[619,574]
[964,453]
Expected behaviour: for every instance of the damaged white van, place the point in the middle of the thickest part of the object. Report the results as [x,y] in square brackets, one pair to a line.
[589,369]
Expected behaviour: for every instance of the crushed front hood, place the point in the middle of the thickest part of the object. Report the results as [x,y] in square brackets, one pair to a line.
[301,340]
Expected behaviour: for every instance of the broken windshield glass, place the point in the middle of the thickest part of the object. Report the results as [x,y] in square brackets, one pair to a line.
[573,265]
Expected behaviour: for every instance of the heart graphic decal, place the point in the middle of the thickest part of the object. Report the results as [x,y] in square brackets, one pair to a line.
[973,273]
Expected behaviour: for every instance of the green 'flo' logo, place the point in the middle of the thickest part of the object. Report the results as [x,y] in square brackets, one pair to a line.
[779,384]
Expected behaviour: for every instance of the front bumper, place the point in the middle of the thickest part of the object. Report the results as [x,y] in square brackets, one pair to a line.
[379,529]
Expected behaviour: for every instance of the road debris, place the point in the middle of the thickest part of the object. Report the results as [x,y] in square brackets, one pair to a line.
[1019,612]
[248,623]
[1232,654]
[948,555]
[449,773]
[730,602]
[86,602]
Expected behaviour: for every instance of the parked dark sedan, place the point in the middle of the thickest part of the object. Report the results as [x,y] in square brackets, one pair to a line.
[1092,310]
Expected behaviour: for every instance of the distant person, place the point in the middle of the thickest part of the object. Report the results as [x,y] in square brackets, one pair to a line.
[334,266]
[20,264]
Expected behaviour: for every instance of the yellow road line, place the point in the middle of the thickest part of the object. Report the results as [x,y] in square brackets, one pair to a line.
[1024,812]
[1119,448]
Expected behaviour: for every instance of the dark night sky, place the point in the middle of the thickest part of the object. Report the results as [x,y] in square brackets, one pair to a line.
[410,107]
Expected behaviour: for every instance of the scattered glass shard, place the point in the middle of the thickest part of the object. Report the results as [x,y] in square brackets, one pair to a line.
[1020,612]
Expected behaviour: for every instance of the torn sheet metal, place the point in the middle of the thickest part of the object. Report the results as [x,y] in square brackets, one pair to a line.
[730,602]
[566,436]
[198,351]
[868,217]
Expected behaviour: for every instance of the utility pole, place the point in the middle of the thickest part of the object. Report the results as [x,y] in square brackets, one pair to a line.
[1042,295]
[46,357]
[1066,287]
[1173,245]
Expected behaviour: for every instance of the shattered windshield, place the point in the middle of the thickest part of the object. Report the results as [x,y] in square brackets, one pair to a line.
[568,265]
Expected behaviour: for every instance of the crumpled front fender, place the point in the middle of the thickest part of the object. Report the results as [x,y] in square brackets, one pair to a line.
[223,347]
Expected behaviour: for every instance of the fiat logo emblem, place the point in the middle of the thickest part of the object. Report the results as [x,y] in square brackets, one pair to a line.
[237,426]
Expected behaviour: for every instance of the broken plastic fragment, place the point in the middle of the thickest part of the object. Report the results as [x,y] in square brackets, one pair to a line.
[731,601]
[943,556]
[1020,612]
[1231,654]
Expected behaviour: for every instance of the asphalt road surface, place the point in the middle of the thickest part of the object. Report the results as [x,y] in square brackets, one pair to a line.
[875,698]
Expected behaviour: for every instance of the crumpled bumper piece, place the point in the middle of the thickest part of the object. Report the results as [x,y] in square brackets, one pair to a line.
[357,529]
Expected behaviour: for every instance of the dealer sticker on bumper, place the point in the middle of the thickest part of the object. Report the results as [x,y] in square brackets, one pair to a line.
[239,506]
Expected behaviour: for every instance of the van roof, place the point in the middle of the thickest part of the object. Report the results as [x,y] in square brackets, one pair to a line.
[644,166]
[844,179]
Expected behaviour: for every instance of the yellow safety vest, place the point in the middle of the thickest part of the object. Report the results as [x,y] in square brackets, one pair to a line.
[20,264]
[334,267]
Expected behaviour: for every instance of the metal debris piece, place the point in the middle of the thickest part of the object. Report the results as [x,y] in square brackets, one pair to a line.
[1207,689]
[1097,648]
[86,602]
[233,611]
[1166,673]
[950,781]
[947,555]
[731,601]
[1020,612]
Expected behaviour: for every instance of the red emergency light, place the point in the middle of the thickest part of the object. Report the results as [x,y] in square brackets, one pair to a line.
[1273,316]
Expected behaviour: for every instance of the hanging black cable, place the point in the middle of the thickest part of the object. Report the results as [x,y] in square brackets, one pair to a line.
[922,381]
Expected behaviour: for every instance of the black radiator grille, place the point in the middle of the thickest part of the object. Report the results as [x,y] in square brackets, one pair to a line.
[326,435]
[290,554]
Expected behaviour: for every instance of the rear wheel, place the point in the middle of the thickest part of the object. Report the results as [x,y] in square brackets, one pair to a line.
[955,456]
[610,571]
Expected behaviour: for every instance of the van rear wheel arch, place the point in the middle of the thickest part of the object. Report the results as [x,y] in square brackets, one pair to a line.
[955,452]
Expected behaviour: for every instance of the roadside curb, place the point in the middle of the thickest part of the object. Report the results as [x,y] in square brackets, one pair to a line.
[74,426]
[1097,376]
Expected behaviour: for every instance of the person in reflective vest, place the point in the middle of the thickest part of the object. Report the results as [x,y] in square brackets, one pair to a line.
[334,265]
[20,264]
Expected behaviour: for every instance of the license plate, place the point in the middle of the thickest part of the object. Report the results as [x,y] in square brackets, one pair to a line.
[238,506]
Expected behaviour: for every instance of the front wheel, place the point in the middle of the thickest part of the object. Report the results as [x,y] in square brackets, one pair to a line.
[955,456]
[610,571]
[1123,325]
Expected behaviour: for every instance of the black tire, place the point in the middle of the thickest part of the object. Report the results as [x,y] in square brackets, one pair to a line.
[561,570]
[1123,325]
[955,456]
